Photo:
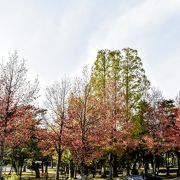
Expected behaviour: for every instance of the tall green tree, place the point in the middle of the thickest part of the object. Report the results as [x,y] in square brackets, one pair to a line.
[134,86]
[120,73]
[119,78]
[105,70]
[105,79]
[133,79]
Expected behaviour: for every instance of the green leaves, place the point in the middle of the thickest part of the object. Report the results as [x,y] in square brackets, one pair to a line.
[106,70]
[118,77]
[120,71]
[134,80]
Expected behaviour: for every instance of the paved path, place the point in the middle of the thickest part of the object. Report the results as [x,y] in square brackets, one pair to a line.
[7,169]
[178,178]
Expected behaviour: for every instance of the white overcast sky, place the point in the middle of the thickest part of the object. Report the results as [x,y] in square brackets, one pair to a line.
[59,37]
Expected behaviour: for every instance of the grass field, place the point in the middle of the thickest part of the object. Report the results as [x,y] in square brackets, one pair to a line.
[30,175]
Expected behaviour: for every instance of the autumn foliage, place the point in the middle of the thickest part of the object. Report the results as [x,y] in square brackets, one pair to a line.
[101,118]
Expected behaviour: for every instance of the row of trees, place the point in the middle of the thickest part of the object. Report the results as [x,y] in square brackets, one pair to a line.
[108,117]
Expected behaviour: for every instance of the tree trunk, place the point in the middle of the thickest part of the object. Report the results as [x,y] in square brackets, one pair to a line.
[83,176]
[134,169]
[167,164]
[11,169]
[36,168]
[20,172]
[69,170]
[72,169]
[46,168]
[21,163]
[115,165]
[75,172]
[58,165]
[1,157]
[94,169]
[128,168]
[42,166]
[157,164]
[52,162]
[110,167]
[24,168]
[154,164]
[103,169]
[178,157]
[15,166]
[146,166]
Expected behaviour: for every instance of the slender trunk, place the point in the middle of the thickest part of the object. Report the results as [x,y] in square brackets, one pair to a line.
[110,167]
[21,163]
[157,164]
[18,168]
[115,165]
[52,162]
[42,167]
[94,169]
[20,172]
[24,168]
[103,169]
[154,164]
[72,169]
[83,176]
[15,167]
[167,164]
[59,151]
[46,168]
[58,165]
[69,170]
[134,170]
[145,166]
[1,157]
[75,172]
[128,163]
[178,157]
[36,169]
[11,169]
[128,168]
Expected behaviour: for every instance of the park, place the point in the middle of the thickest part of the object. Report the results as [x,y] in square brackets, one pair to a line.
[107,123]
[89,89]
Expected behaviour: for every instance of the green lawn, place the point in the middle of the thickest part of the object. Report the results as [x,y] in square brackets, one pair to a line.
[51,175]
